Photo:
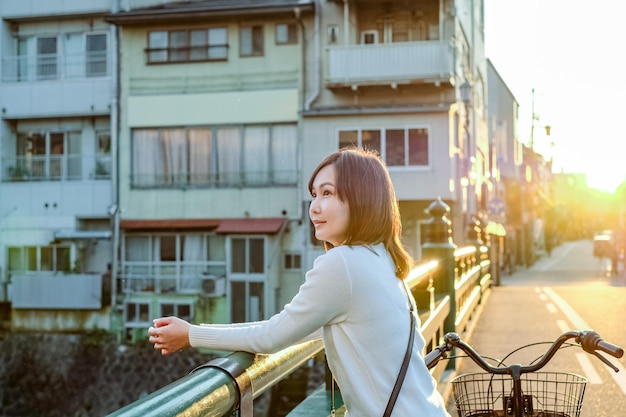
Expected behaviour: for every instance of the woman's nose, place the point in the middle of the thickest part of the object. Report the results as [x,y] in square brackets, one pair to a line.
[313,207]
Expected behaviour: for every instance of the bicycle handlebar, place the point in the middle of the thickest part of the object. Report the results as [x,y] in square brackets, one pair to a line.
[589,340]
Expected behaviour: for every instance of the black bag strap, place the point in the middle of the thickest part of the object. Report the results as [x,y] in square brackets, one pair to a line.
[405,363]
[243,385]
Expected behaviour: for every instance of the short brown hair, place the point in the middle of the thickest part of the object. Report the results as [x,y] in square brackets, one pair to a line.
[363,182]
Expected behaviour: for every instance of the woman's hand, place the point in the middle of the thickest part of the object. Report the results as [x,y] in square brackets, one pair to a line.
[169,334]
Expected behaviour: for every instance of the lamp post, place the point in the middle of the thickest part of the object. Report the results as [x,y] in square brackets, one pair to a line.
[535,118]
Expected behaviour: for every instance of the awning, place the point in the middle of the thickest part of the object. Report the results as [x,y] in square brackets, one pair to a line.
[247,225]
[266,225]
[81,234]
[151,224]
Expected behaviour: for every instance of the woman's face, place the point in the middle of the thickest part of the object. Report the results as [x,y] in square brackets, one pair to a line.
[329,214]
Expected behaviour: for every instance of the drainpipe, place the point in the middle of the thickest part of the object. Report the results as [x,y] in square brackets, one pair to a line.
[316,51]
[115,129]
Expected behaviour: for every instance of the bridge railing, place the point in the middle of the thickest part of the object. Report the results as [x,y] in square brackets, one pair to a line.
[211,391]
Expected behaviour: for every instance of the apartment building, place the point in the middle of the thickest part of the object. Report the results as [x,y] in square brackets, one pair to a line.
[57,95]
[185,163]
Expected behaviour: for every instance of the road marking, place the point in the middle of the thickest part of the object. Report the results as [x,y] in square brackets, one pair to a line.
[579,323]
[563,326]
[588,369]
[543,297]
[619,377]
[569,312]
[551,308]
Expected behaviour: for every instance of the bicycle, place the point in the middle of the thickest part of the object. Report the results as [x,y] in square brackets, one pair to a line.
[521,390]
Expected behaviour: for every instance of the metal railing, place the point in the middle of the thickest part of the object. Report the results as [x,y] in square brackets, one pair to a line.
[55,167]
[211,392]
[44,67]
[389,62]
[225,179]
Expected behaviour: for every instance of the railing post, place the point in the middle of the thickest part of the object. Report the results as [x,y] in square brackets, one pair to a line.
[438,245]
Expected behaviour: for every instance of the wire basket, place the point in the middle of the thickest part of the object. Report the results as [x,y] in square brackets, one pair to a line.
[545,394]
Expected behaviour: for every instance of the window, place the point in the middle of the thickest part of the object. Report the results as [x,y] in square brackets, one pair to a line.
[103,155]
[396,146]
[50,156]
[286,33]
[54,258]
[292,261]
[251,41]
[220,156]
[188,45]
[248,255]
[172,262]
[137,314]
[96,55]
[68,55]
[182,310]
[369,37]
[46,58]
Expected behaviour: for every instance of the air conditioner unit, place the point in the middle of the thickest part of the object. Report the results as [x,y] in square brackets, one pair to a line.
[213,286]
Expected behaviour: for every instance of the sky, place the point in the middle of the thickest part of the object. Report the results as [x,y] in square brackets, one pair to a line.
[572,53]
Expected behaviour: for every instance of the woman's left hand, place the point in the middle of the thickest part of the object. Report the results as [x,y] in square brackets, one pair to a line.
[169,334]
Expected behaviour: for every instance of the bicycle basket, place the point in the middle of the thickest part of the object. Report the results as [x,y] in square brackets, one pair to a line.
[545,394]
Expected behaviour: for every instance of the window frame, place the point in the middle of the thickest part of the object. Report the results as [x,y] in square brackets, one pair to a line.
[214,171]
[291,34]
[383,143]
[162,51]
[257,46]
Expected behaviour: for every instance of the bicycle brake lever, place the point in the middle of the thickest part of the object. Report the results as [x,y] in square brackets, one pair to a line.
[606,361]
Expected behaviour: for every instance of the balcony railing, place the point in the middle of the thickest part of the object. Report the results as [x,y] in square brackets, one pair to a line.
[171,277]
[233,179]
[27,68]
[389,62]
[67,167]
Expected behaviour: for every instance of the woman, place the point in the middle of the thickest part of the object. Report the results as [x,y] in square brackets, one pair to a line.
[354,293]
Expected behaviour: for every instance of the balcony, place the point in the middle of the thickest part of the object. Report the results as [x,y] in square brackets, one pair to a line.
[52,85]
[206,278]
[68,167]
[56,291]
[395,63]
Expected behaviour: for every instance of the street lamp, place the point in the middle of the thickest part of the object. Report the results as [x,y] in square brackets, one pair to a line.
[535,117]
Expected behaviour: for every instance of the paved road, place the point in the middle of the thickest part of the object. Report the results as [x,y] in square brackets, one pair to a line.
[569,290]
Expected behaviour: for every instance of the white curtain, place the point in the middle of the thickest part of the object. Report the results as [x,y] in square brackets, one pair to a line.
[284,154]
[256,155]
[147,165]
[174,152]
[193,255]
[200,156]
[228,155]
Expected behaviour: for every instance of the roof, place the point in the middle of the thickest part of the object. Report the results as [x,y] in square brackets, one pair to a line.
[263,225]
[206,9]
